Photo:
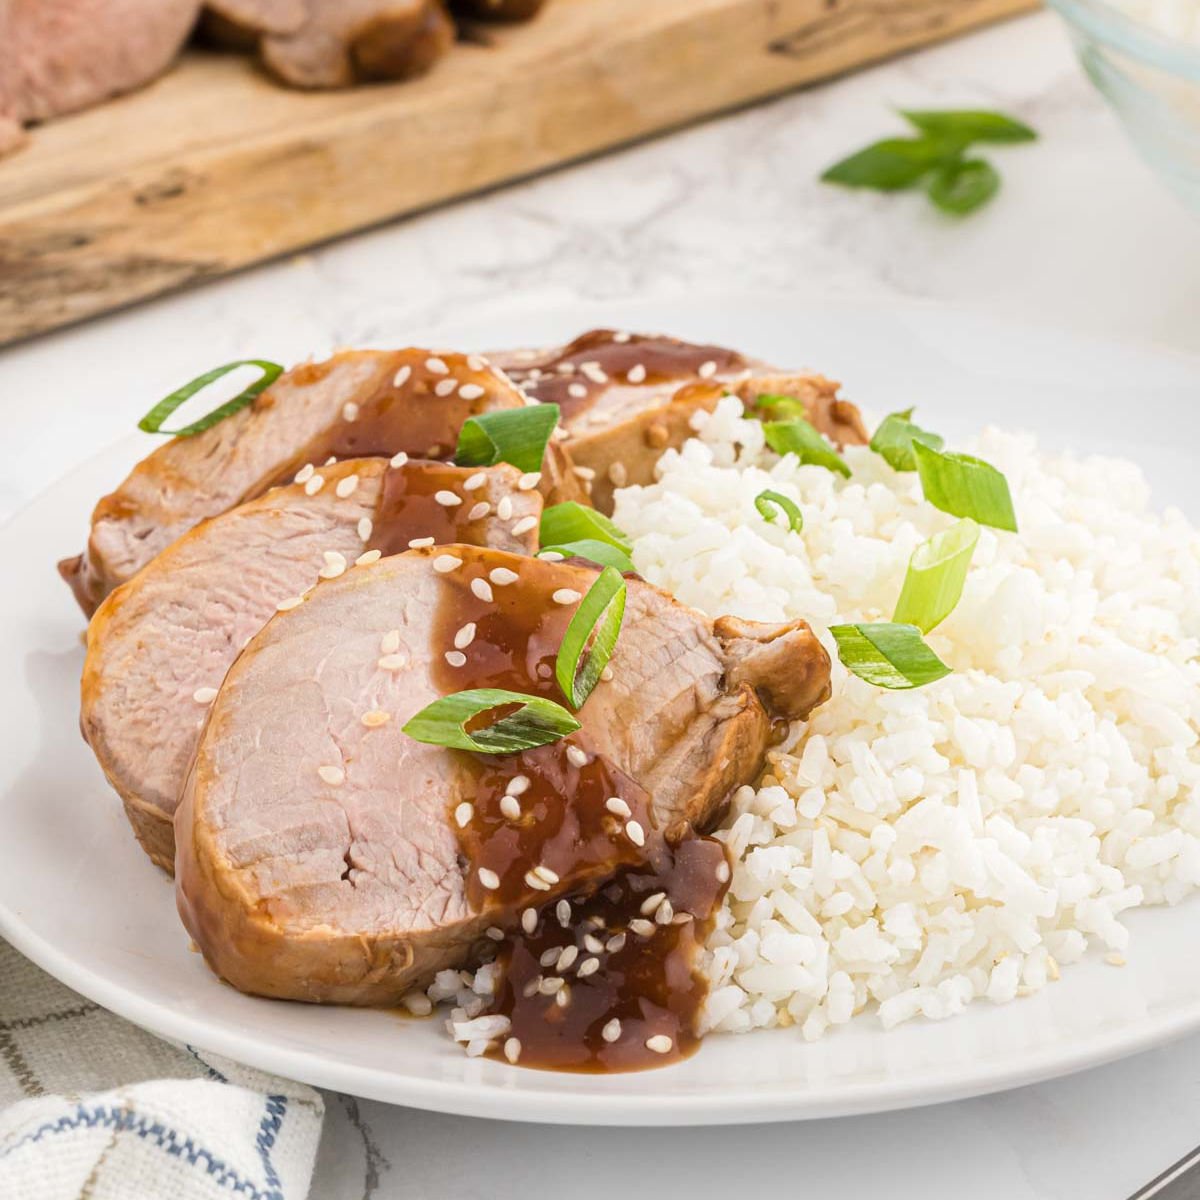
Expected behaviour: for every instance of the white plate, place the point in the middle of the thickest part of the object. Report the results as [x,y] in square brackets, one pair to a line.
[78,897]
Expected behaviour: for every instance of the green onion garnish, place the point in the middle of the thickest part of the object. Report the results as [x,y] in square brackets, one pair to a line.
[800,438]
[535,722]
[512,435]
[769,502]
[888,655]
[894,439]
[935,578]
[781,408]
[153,420]
[573,522]
[603,554]
[964,486]
[579,665]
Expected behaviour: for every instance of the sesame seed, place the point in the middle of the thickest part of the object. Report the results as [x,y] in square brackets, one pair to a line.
[445,387]
[615,944]
[505,508]
[489,879]
[531,988]
[402,376]
[420,543]
[636,374]
[611,1030]
[470,391]
[447,499]
[1114,960]
[349,411]
[365,528]
[615,804]
[566,958]
[562,910]
[566,596]
[576,756]
[607,674]
[529,920]
[375,718]
[463,814]
[456,658]
[314,485]
[548,956]
[477,362]
[529,481]
[417,1003]
[545,873]
[593,943]
[334,776]
[637,835]
[665,914]
[650,905]
[465,636]
[390,642]
[335,565]
[617,475]
[587,474]
[565,368]
[563,998]
[479,511]
[304,474]
[330,460]
[682,918]
[204,695]
[473,482]
[446,562]
[435,366]
[502,576]
[589,966]
[482,589]
[551,985]
[594,372]
[524,525]
[707,369]
[367,557]
[551,555]
[290,603]
[577,390]
[722,872]
[434,451]
[641,927]
[510,807]
[622,337]
[518,785]
[346,487]
[398,459]
[495,933]
[392,662]
[512,1049]
[538,884]
[659,1043]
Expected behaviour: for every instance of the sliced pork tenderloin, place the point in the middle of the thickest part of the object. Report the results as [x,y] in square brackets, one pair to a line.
[357,403]
[325,855]
[627,397]
[160,645]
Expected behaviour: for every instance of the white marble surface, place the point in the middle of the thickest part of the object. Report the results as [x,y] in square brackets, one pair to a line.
[1081,235]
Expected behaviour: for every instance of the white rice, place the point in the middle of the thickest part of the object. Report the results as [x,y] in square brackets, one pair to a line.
[914,851]
[1179,19]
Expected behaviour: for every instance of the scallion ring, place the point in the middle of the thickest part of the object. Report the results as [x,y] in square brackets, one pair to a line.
[964,486]
[574,522]
[534,722]
[888,655]
[591,637]
[513,435]
[770,503]
[803,440]
[152,422]
[894,438]
[936,573]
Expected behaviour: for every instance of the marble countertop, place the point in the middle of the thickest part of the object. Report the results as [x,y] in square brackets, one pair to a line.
[1081,235]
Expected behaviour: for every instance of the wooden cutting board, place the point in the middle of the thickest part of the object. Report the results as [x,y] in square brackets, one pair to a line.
[215,167]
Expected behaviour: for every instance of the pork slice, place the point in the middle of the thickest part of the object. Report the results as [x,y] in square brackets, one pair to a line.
[317,855]
[57,56]
[160,645]
[344,41]
[366,402]
[628,397]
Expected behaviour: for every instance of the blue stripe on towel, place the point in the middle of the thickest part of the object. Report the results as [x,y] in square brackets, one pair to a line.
[173,1144]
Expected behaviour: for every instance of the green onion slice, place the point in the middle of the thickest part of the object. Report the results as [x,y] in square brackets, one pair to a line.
[781,408]
[602,553]
[964,486]
[535,722]
[935,578]
[888,655]
[574,522]
[152,422]
[579,664]
[512,435]
[769,502]
[800,438]
[894,439]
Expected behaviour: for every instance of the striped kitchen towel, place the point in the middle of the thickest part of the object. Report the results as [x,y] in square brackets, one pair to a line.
[97,1109]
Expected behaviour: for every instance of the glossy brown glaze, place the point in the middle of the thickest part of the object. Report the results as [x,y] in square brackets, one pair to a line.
[561,817]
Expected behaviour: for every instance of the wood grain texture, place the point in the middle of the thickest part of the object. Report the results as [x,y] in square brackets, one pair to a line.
[214,167]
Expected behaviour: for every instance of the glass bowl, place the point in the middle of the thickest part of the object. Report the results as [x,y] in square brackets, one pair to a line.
[1151,81]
